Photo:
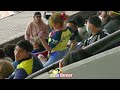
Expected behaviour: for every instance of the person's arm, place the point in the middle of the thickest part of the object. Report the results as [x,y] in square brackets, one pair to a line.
[72,45]
[20,74]
[43,41]
[45,44]
[46,29]
[54,40]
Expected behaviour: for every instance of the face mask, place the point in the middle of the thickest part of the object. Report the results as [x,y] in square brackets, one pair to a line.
[88,30]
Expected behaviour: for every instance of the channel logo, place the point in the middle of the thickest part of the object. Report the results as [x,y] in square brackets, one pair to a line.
[58,73]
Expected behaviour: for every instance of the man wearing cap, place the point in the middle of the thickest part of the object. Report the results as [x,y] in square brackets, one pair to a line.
[35,26]
[114,23]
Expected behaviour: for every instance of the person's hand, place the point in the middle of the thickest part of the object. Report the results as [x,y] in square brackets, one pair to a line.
[41,34]
[61,63]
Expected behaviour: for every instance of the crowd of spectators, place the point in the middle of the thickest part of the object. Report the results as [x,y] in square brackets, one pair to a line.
[62,40]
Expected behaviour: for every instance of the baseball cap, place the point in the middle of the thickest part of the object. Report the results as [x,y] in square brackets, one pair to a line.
[37,14]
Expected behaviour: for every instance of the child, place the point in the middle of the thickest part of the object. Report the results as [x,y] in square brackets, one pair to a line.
[58,38]
[37,45]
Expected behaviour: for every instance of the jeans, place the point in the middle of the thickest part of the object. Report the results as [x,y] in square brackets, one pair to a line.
[55,56]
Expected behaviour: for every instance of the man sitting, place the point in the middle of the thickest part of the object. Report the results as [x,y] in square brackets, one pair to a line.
[27,63]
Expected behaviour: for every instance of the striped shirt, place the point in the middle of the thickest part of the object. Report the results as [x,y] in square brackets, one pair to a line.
[94,38]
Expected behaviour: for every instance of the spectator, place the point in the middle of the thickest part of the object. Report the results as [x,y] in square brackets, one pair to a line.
[6,69]
[105,18]
[72,42]
[9,51]
[65,17]
[58,39]
[35,26]
[38,48]
[99,13]
[114,23]
[2,56]
[37,45]
[103,15]
[27,64]
[2,53]
[82,31]
[94,26]
[47,14]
